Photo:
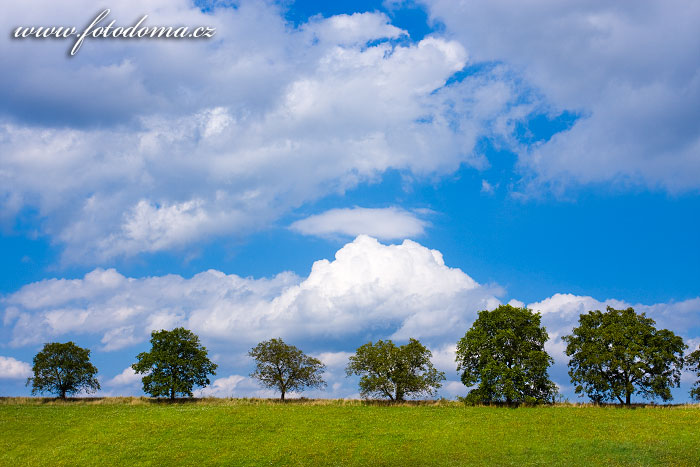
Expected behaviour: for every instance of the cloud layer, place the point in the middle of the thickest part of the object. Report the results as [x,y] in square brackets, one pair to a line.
[630,71]
[369,288]
[148,146]
[223,136]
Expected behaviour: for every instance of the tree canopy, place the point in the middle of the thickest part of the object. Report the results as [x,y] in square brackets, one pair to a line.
[619,352]
[395,372]
[693,362]
[285,368]
[503,355]
[176,363]
[63,369]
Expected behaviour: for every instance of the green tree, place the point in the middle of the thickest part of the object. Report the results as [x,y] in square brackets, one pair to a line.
[63,369]
[395,372]
[693,362]
[619,352]
[285,368]
[176,363]
[503,354]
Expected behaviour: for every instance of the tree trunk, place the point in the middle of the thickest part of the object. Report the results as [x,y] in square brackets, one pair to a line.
[63,393]
[282,396]
[627,399]
[172,394]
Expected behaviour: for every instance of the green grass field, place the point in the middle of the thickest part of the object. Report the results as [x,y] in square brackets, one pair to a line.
[253,432]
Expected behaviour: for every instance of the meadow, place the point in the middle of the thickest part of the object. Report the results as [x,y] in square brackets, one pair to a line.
[140,431]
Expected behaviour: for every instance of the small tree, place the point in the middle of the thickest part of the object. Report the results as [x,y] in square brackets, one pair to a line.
[63,369]
[503,352]
[395,372]
[285,367]
[176,363]
[619,352]
[693,362]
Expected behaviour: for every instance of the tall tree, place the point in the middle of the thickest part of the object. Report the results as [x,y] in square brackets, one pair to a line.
[620,352]
[693,362]
[285,368]
[395,372]
[503,354]
[63,369]
[176,363]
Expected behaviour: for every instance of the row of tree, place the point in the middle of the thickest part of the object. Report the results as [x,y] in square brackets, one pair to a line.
[614,354]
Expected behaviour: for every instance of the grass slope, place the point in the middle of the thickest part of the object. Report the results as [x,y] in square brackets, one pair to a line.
[252,432]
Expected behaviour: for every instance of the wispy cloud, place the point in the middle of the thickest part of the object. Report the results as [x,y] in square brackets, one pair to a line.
[385,223]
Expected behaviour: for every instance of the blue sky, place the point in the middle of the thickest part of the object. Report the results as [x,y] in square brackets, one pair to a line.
[262,183]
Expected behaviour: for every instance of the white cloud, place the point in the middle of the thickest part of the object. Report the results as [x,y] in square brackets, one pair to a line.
[569,305]
[386,223]
[444,359]
[126,378]
[355,29]
[11,368]
[402,290]
[154,228]
[223,387]
[487,188]
[630,70]
[693,344]
[452,389]
[118,338]
[404,287]
[334,360]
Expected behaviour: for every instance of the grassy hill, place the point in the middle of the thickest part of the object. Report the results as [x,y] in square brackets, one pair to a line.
[139,431]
